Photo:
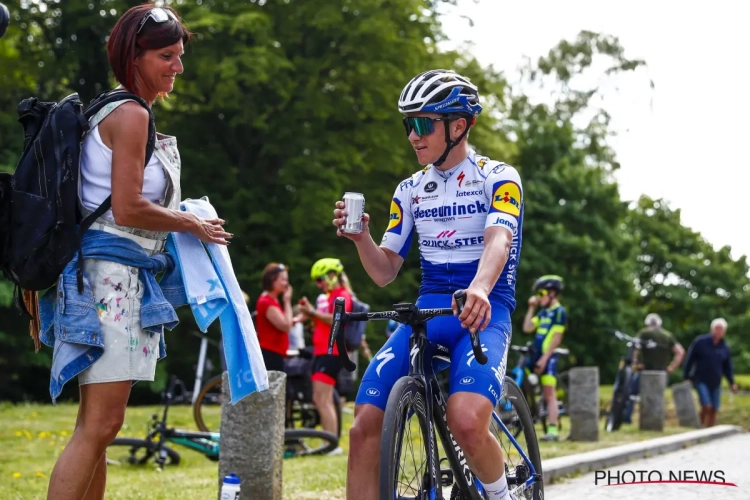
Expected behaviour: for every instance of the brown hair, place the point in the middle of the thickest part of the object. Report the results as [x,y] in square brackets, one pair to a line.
[125,44]
[270,273]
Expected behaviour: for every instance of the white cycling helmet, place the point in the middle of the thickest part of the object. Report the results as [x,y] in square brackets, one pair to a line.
[440,91]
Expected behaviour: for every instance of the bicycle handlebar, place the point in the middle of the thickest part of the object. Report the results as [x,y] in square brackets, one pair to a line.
[402,313]
[526,349]
[649,344]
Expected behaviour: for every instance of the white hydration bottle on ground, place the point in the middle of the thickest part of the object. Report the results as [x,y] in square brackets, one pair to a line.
[230,488]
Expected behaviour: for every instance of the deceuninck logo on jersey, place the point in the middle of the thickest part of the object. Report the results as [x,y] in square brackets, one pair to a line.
[506,198]
[396,220]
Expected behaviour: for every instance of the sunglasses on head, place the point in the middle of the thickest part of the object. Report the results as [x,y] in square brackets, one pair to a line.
[421,125]
[159,15]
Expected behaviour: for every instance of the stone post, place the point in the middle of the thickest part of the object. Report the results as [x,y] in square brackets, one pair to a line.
[652,408]
[252,439]
[583,403]
[687,413]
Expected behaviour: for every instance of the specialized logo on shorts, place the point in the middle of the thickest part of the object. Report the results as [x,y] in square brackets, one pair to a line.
[372,392]
[470,354]
[384,357]
[466,381]
[396,221]
[507,199]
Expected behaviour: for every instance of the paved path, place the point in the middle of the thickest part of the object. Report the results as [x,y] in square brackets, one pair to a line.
[730,455]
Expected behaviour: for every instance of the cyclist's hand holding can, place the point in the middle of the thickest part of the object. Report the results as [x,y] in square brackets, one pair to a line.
[339,220]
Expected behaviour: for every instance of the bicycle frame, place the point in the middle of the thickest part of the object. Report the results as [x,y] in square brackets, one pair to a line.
[423,353]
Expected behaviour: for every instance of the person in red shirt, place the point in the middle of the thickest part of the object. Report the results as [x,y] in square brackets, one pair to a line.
[273,321]
[327,276]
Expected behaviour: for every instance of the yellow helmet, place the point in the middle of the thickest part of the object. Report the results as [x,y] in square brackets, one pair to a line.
[322,267]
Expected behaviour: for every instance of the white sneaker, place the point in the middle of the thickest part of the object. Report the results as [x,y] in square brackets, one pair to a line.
[336,451]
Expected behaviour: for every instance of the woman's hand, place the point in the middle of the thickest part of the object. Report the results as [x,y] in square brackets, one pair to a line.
[305,307]
[210,231]
[287,297]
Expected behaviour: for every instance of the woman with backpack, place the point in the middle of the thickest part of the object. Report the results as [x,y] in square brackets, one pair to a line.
[327,276]
[144,51]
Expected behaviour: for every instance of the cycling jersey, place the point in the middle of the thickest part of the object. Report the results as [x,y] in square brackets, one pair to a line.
[450,211]
[548,322]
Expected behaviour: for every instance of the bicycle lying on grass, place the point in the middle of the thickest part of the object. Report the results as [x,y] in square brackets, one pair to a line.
[135,451]
[621,392]
[418,394]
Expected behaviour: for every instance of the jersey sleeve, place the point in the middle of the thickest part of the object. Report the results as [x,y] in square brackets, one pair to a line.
[505,198]
[398,234]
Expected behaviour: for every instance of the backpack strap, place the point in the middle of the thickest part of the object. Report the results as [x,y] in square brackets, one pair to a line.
[111,98]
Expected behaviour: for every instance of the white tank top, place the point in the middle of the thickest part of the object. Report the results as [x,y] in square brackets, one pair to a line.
[96,175]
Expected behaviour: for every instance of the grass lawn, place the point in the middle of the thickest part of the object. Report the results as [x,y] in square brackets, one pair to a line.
[32,437]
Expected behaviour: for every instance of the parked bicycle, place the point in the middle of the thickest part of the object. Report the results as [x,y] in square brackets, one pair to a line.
[621,392]
[300,410]
[532,389]
[135,451]
[419,394]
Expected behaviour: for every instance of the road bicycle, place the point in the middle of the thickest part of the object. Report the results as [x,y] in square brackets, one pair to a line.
[621,392]
[153,448]
[532,389]
[419,394]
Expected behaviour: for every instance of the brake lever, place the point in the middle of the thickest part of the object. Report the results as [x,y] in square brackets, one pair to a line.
[476,346]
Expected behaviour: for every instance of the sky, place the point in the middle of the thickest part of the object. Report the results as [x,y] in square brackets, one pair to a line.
[685,140]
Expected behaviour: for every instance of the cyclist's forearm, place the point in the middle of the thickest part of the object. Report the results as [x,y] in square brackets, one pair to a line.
[496,247]
[376,262]
[528,324]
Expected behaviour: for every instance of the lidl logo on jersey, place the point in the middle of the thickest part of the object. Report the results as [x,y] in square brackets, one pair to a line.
[507,198]
[450,212]
[396,220]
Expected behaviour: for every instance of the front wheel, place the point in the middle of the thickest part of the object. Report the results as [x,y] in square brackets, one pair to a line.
[401,436]
[207,408]
[620,397]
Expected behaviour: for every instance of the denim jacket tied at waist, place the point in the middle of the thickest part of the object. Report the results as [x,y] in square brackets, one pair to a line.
[70,322]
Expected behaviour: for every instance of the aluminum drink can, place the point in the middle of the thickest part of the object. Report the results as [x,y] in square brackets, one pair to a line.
[354,205]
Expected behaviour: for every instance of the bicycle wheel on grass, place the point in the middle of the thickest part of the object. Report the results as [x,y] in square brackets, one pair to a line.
[407,399]
[135,451]
[207,407]
[303,442]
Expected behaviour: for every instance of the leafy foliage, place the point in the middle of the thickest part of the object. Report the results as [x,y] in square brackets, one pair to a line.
[284,106]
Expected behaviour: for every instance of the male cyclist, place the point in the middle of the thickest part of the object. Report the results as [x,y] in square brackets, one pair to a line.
[467,212]
[549,326]
[325,369]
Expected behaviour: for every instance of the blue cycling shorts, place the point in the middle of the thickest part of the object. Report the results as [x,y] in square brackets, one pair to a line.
[549,374]
[466,374]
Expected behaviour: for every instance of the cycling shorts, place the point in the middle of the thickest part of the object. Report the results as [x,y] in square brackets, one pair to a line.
[325,368]
[466,374]
[549,375]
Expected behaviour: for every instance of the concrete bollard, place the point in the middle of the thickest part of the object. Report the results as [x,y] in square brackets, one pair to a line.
[583,403]
[652,408]
[252,439]
[687,413]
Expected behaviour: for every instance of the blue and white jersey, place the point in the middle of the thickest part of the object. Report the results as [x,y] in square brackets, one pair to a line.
[450,211]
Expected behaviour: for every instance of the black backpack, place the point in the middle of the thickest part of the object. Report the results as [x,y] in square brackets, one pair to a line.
[40,220]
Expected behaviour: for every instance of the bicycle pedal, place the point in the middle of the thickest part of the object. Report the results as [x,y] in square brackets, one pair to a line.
[446,477]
